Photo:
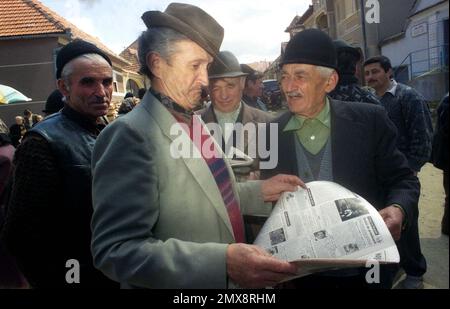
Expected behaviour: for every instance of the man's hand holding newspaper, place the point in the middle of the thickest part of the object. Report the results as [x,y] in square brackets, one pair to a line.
[328,227]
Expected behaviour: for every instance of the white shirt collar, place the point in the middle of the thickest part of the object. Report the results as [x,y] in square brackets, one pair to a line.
[393,88]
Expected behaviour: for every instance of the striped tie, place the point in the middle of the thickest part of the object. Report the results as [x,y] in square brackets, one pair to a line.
[221,174]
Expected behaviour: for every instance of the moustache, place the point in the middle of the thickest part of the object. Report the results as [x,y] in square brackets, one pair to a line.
[294,94]
[100,101]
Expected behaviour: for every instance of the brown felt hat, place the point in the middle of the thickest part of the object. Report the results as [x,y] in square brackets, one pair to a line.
[191,21]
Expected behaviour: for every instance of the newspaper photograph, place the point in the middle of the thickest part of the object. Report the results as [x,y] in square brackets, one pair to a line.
[326,227]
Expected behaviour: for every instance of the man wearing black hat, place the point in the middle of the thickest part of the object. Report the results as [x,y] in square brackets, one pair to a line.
[174,219]
[351,144]
[47,226]
[347,88]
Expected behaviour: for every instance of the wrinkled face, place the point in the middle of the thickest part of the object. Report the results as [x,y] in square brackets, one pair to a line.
[226,93]
[184,74]
[305,88]
[255,87]
[376,77]
[90,87]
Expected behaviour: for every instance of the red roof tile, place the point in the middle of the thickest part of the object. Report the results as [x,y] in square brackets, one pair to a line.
[31,17]
[131,55]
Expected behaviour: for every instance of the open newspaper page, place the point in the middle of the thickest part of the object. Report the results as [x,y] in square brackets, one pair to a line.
[326,227]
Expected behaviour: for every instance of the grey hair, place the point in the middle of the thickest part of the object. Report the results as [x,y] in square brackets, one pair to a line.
[324,71]
[69,67]
[160,40]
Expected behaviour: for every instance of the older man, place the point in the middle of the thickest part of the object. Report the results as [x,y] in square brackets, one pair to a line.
[167,211]
[47,226]
[226,87]
[349,143]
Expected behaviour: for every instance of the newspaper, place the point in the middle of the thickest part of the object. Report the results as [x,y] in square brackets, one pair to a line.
[326,227]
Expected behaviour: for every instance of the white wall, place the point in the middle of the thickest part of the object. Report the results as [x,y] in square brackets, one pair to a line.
[398,50]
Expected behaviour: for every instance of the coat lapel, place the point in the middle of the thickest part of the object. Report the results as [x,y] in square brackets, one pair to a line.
[286,146]
[196,165]
[344,129]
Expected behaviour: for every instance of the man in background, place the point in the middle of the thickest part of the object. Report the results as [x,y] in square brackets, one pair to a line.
[409,112]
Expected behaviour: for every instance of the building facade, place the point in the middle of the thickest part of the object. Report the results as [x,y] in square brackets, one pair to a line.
[31,36]
[419,52]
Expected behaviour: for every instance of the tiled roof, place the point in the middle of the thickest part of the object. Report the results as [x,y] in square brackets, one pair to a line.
[19,17]
[31,17]
[131,55]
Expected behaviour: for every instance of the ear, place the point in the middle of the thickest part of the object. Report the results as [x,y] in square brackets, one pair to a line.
[154,63]
[63,87]
[332,82]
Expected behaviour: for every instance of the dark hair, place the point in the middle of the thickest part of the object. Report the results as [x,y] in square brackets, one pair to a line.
[141,93]
[347,62]
[4,139]
[129,95]
[127,105]
[27,112]
[384,62]
[54,103]
[253,75]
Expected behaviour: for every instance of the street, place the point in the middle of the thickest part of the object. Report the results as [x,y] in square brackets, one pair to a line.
[434,245]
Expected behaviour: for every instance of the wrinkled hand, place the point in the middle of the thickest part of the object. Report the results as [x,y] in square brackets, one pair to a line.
[393,217]
[272,188]
[251,267]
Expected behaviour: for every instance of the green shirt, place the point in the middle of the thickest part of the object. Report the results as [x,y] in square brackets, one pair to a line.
[313,133]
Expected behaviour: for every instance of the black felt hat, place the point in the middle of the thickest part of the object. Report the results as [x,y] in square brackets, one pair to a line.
[54,103]
[311,46]
[341,45]
[75,49]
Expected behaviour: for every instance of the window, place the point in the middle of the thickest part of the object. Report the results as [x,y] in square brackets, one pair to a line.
[118,82]
[132,87]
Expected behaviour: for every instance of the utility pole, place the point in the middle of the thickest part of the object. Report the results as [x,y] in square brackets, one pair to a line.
[363,25]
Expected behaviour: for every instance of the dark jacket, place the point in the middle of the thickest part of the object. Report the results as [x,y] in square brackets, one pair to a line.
[16,132]
[348,90]
[409,112]
[440,140]
[365,158]
[49,214]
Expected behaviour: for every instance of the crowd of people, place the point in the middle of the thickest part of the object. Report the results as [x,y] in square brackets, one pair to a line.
[134,211]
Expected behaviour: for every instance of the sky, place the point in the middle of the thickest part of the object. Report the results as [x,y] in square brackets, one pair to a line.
[254,29]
